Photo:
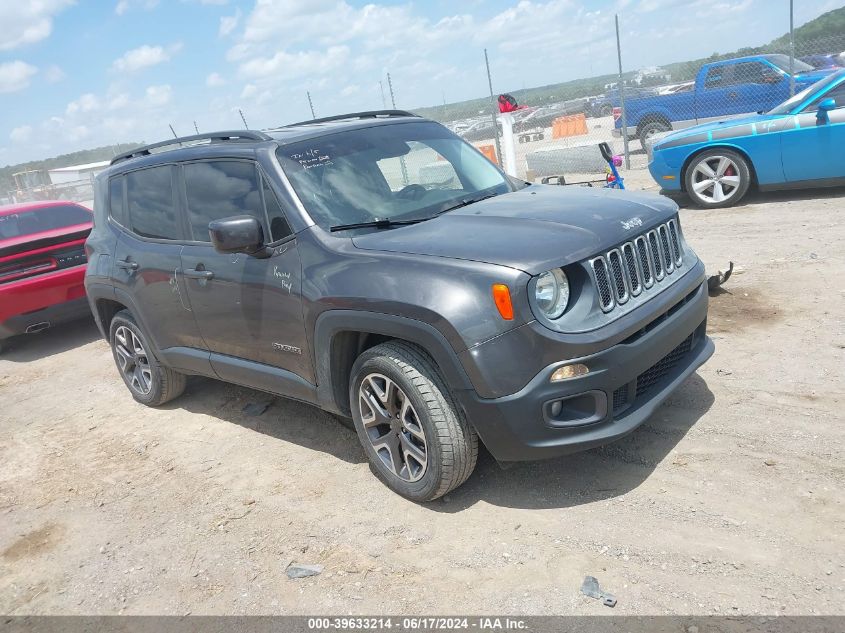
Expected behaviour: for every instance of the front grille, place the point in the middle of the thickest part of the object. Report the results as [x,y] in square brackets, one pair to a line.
[637,265]
[658,371]
[628,394]
[602,283]
[617,275]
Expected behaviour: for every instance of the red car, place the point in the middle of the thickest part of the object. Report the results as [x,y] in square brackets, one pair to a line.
[42,265]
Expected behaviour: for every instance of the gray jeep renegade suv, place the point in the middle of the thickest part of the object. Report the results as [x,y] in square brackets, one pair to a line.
[379,267]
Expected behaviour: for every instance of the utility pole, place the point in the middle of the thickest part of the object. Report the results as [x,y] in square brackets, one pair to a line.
[622,97]
[493,111]
[196,129]
[791,48]
[243,118]
[390,86]
[172,130]
[383,100]
[311,104]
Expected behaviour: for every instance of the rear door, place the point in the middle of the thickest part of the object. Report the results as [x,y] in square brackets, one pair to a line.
[246,307]
[146,266]
[814,150]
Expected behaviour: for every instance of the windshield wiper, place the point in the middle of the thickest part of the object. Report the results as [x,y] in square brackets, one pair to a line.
[385,223]
[466,202]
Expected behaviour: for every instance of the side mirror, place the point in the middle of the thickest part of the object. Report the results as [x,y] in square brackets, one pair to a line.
[237,234]
[824,107]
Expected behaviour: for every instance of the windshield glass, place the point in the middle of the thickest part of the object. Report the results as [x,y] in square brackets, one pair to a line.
[406,171]
[782,62]
[787,106]
[33,221]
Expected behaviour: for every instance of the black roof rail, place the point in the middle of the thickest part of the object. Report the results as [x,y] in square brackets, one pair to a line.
[370,114]
[235,136]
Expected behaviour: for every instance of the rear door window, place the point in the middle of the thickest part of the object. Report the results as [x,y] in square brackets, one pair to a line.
[152,209]
[117,204]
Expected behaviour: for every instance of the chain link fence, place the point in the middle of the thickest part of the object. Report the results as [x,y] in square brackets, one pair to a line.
[556,131]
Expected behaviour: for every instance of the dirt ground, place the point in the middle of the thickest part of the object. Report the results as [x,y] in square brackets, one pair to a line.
[729,500]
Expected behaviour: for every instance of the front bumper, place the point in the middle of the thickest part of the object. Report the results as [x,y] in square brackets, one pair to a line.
[668,177]
[625,385]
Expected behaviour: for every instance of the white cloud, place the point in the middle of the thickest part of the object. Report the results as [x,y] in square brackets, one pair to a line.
[144,57]
[285,65]
[350,90]
[21,134]
[158,95]
[125,5]
[15,76]
[28,22]
[54,74]
[86,103]
[118,101]
[229,23]
[214,80]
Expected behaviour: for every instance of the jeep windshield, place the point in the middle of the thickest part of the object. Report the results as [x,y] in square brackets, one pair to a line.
[387,175]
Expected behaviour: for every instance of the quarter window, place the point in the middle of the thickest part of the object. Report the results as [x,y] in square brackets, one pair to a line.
[152,212]
[117,207]
[221,189]
[279,227]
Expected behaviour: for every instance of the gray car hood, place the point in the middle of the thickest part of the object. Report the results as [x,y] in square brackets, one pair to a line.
[533,230]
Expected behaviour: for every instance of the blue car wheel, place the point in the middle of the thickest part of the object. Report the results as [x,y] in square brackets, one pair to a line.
[717,178]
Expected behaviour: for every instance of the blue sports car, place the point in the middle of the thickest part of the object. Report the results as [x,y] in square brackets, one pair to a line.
[800,143]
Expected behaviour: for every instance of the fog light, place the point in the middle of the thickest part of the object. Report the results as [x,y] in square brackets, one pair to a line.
[569,371]
[557,406]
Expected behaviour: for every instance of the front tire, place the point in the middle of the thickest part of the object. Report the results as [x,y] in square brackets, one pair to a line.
[717,178]
[416,438]
[649,129]
[149,382]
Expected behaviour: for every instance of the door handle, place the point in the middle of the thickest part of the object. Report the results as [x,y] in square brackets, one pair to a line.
[126,264]
[193,273]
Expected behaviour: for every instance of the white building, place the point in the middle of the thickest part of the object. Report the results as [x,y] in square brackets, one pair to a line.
[75,173]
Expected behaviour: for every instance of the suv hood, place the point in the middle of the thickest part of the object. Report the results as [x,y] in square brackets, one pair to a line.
[533,230]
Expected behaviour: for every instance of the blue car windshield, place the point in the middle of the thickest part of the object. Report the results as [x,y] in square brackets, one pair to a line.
[400,172]
[790,104]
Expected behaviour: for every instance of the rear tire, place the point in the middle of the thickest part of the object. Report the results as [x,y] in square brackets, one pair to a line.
[416,438]
[717,178]
[149,382]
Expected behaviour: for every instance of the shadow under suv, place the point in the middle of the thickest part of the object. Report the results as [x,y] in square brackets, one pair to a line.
[379,267]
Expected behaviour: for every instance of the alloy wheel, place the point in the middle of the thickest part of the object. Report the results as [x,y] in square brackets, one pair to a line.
[393,427]
[132,360]
[715,179]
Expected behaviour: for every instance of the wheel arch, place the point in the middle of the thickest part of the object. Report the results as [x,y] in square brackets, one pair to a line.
[653,117]
[341,335]
[727,146]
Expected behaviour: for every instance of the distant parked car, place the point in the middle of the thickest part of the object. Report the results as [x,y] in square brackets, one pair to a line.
[602,105]
[797,144]
[544,115]
[480,131]
[42,266]
[729,87]
[823,62]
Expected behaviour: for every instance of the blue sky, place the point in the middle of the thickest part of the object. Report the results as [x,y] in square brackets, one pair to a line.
[78,74]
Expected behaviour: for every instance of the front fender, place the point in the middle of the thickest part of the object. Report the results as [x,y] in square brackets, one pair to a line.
[332,390]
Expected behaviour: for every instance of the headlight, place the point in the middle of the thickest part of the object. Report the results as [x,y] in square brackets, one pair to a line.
[551,293]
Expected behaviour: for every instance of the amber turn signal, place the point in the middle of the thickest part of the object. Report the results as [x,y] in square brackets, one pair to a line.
[569,371]
[502,297]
